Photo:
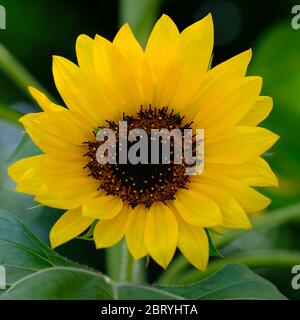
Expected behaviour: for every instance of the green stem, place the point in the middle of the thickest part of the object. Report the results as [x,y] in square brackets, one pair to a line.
[126,270]
[113,259]
[262,223]
[120,265]
[11,115]
[139,271]
[16,72]
[260,259]
[174,270]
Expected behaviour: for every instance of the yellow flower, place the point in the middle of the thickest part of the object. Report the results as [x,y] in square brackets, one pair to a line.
[119,79]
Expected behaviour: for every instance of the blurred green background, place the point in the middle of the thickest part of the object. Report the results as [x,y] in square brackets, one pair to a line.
[38,29]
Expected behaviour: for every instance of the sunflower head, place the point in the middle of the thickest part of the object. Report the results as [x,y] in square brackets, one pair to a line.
[169,85]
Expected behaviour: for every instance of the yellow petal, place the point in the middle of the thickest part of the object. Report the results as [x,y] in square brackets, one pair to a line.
[127,44]
[197,209]
[215,80]
[136,232]
[250,199]
[162,58]
[225,104]
[162,42]
[103,207]
[70,225]
[69,199]
[147,84]
[161,234]
[102,52]
[233,67]
[109,232]
[64,72]
[55,185]
[59,121]
[80,91]
[193,243]
[192,61]
[45,136]
[259,112]
[43,101]
[66,191]
[256,172]
[66,183]
[20,169]
[27,174]
[197,42]
[125,81]
[133,53]
[233,215]
[240,145]
[116,79]
[85,52]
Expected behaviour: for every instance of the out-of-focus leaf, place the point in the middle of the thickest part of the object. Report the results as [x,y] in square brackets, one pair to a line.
[276,59]
[9,114]
[254,260]
[16,72]
[25,148]
[141,16]
[9,137]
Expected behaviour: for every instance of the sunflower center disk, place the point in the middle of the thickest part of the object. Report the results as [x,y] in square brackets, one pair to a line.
[141,183]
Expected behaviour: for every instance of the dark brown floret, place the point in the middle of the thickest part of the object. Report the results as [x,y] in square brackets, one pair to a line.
[141,183]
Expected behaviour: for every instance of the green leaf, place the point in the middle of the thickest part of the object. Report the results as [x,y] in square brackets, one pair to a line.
[213,251]
[69,283]
[36,272]
[234,281]
[267,222]
[61,283]
[140,15]
[38,218]
[65,283]
[260,259]
[21,253]
[89,234]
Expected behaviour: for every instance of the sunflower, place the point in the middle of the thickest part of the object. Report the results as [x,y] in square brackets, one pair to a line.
[157,208]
